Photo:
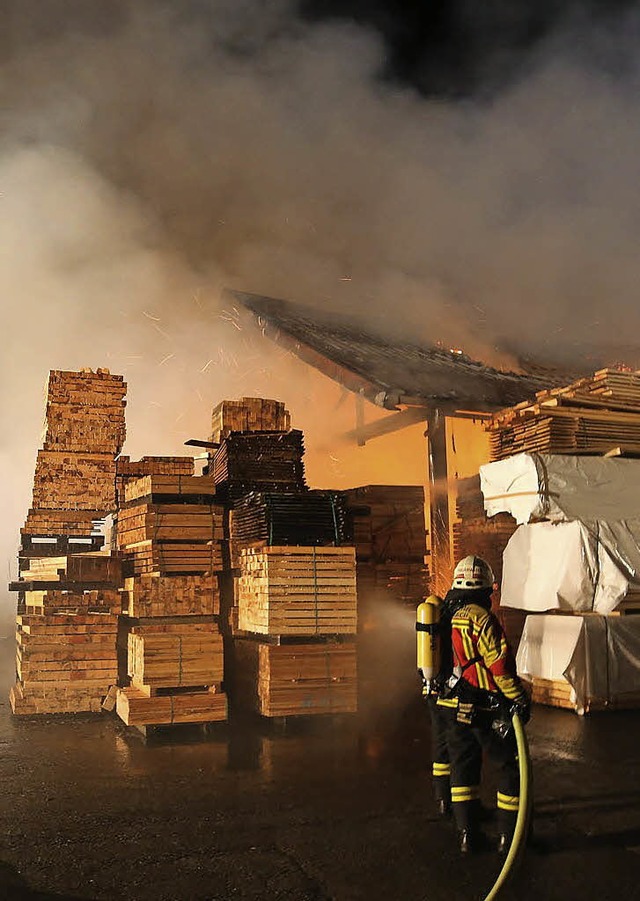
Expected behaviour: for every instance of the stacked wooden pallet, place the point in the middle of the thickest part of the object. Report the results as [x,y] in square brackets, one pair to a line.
[297,679]
[65,663]
[303,518]
[259,461]
[249,414]
[297,591]
[128,470]
[590,416]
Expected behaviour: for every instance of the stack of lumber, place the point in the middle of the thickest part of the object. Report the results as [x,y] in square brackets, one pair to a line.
[304,518]
[168,488]
[74,481]
[176,670]
[85,412]
[389,534]
[65,663]
[259,461]
[135,708]
[297,679]
[474,532]
[297,591]
[175,657]
[170,538]
[249,414]
[591,416]
[559,693]
[128,470]
[156,595]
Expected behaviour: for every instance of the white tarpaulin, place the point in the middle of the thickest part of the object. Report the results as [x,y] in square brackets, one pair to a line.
[599,656]
[558,487]
[562,566]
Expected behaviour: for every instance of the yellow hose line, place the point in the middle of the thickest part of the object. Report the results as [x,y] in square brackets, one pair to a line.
[524,809]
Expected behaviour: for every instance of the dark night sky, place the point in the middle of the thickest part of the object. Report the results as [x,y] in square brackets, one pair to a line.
[460,47]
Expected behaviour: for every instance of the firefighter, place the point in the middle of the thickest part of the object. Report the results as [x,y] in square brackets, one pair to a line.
[482,693]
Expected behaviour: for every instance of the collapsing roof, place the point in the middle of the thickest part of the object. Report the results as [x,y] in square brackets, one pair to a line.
[390,372]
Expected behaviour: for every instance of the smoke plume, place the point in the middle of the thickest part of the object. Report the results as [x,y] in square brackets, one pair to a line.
[152,152]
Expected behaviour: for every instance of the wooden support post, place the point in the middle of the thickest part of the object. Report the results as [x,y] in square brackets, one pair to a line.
[439,501]
[360,420]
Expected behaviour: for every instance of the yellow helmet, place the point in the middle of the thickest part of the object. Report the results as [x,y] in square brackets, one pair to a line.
[473,573]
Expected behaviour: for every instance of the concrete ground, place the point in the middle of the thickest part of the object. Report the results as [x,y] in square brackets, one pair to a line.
[338,811]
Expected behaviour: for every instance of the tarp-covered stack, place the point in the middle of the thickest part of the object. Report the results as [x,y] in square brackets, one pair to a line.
[68,591]
[170,534]
[576,552]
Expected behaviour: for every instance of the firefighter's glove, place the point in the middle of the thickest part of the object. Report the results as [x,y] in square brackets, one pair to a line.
[523,710]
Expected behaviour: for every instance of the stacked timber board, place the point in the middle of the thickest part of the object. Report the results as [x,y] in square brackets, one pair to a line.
[279,680]
[65,662]
[297,591]
[259,461]
[176,670]
[596,415]
[169,525]
[74,480]
[128,470]
[304,518]
[249,414]
[170,533]
[388,527]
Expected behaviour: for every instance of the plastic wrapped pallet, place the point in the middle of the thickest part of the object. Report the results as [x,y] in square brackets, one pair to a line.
[561,566]
[583,662]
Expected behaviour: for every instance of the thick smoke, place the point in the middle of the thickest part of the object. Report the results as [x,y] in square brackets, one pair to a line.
[152,152]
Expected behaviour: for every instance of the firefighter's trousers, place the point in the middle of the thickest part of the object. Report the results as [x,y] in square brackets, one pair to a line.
[441,768]
[466,744]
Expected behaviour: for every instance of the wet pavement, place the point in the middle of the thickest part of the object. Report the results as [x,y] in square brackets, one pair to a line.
[329,810]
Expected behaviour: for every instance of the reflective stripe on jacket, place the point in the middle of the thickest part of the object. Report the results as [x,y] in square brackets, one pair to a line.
[478,640]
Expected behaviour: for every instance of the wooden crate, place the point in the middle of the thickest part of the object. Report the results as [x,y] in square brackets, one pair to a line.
[296,679]
[297,591]
[178,595]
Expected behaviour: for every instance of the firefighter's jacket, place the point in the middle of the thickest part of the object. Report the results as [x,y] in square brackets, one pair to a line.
[482,656]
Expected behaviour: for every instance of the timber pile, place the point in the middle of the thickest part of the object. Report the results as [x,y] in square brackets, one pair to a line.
[135,708]
[65,663]
[259,461]
[559,693]
[297,679]
[389,534]
[172,538]
[591,416]
[303,518]
[175,487]
[177,595]
[249,414]
[176,671]
[181,657]
[297,591]
[74,480]
[128,470]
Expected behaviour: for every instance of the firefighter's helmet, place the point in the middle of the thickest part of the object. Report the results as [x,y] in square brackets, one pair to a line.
[473,573]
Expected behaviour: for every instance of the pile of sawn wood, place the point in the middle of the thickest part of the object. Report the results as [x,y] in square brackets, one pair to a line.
[244,550]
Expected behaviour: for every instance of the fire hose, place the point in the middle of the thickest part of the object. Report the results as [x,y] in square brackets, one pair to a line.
[523,819]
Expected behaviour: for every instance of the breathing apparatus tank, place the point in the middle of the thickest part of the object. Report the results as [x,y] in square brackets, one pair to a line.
[428,639]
